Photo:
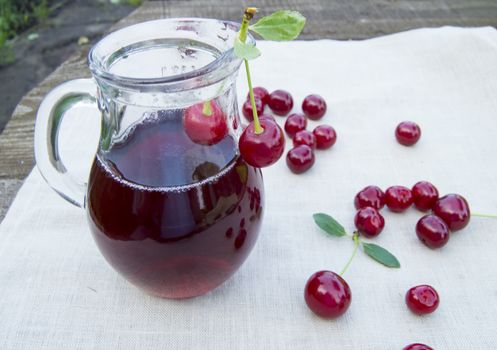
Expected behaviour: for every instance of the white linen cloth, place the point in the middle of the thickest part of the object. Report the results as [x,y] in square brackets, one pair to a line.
[57,292]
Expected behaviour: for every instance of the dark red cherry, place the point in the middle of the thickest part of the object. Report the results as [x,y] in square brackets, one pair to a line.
[267,116]
[369,222]
[424,195]
[304,137]
[327,294]
[454,210]
[314,107]
[261,116]
[432,231]
[264,149]
[370,196]
[248,111]
[398,198]
[281,102]
[417,346]
[300,159]
[422,299]
[325,135]
[407,133]
[205,123]
[260,93]
[295,123]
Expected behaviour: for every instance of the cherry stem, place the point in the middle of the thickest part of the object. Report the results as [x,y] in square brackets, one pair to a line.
[247,16]
[207,108]
[257,124]
[355,238]
[484,215]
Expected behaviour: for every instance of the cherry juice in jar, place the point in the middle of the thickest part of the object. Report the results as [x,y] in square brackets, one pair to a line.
[175,218]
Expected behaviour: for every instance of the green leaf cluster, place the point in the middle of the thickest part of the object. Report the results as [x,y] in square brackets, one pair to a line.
[329,225]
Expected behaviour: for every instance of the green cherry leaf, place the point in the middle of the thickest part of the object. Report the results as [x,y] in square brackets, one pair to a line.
[245,51]
[279,26]
[381,255]
[329,225]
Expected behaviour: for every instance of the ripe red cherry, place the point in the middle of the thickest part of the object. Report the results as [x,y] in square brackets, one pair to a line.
[300,159]
[432,231]
[295,123]
[407,133]
[422,299]
[398,198]
[264,149]
[417,346]
[267,116]
[325,135]
[314,107]
[261,116]
[454,210]
[305,137]
[370,196]
[260,93]
[369,222]
[205,123]
[281,102]
[424,195]
[248,111]
[327,294]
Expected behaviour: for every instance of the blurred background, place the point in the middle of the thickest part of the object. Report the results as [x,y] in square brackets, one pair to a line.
[36,36]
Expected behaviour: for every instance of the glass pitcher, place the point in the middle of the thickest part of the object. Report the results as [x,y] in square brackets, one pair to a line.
[171,204]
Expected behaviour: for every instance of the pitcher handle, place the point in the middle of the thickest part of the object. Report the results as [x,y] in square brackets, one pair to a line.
[48,120]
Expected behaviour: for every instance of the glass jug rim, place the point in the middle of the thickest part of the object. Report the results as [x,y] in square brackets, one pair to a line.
[220,68]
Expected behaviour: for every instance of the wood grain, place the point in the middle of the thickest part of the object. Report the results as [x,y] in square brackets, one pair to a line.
[340,19]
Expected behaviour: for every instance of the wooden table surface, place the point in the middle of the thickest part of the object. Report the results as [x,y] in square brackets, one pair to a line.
[334,19]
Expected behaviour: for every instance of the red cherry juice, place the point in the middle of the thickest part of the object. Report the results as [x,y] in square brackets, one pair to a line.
[175,218]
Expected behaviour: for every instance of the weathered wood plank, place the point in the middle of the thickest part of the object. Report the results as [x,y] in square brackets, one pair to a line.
[8,190]
[16,142]
[340,19]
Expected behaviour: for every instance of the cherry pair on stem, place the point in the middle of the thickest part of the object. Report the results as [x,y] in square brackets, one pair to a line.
[329,296]
[326,293]
[262,143]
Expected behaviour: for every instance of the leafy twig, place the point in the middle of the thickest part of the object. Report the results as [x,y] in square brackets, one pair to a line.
[329,225]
